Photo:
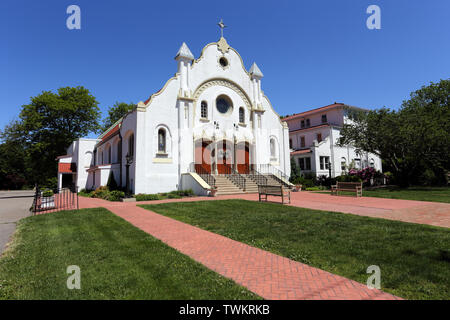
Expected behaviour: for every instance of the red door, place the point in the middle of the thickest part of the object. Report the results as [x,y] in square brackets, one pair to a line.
[224,159]
[202,158]
[243,159]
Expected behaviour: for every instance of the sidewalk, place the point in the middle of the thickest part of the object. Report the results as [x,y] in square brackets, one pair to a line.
[267,274]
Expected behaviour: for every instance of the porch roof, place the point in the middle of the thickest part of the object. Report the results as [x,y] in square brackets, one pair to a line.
[302,151]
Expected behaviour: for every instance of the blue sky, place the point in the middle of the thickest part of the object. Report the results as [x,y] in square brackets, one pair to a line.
[312,53]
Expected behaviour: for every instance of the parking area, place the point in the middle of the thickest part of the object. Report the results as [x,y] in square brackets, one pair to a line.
[14,205]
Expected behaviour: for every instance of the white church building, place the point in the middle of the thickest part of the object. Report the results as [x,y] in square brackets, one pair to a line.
[313,137]
[209,126]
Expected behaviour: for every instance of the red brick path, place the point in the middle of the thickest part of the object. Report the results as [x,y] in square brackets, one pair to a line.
[267,274]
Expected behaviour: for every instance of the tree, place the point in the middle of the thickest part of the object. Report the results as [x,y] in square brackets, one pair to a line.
[295,170]
[14,174]
[46,127]
[115,112]
[413,141]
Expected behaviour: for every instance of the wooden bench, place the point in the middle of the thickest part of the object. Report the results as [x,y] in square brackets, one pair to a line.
[347,186]
[277,190]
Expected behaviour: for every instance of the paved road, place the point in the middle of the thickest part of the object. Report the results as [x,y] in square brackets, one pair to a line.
[14,205]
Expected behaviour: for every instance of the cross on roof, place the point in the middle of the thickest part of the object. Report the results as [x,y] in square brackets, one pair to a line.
[221,26]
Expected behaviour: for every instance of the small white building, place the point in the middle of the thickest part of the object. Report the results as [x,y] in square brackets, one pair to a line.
[313,137]
[211,119]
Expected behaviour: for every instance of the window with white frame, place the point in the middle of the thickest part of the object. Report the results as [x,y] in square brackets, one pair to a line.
[324,118]
[324,162]
[161,140]
[357,163]
[372,163]
[343,164]
[304,164]
[273,152]
[302,142]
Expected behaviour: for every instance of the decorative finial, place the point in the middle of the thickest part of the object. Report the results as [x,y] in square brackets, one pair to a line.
[221,26]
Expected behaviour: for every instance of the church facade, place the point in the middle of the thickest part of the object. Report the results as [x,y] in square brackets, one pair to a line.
[211,120]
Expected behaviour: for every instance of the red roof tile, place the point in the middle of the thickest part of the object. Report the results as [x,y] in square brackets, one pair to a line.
[306,113]
[303,151]
[313,127]
[110,133]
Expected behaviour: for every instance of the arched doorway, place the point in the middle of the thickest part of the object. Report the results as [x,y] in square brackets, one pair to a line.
[203,156]
[224,157]
[243,157]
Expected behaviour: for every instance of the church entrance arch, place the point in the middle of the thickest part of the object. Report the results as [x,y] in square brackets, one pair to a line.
[203,156]
[224,150]
[243,157]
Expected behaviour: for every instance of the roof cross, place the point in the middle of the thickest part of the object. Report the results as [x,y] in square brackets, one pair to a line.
[221,26]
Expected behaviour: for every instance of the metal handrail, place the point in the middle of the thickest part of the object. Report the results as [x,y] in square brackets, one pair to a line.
[203,173]
[255,175]
[277,173]
[235,176]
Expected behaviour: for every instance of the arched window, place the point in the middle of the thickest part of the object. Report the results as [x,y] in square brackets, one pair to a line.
[204,110]
[131,145]
[372,163]
[241,115]
[108,154]
[101,158]
[272,148]
[87,159]
[343,164]
[162,140]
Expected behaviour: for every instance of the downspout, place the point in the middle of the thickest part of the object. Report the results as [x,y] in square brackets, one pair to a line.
[332,164]
[120,157]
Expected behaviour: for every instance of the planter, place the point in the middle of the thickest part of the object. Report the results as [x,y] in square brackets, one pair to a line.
[298,187]
[212,192]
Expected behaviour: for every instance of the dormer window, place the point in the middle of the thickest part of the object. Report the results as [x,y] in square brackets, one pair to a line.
[324,118]
[308,123]
[302,124]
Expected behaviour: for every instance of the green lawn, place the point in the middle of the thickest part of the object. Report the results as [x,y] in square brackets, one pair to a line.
[117,261]
[435,194]
[414,259]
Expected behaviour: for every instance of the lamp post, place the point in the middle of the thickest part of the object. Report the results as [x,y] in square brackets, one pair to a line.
[129,161]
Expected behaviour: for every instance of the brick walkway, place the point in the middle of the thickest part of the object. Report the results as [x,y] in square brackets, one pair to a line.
[423,212]
[268,275]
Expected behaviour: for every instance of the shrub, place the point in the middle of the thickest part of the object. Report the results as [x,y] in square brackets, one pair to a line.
[112,185]
[47,193]
[147,197]
[86,193]
[313,189]
[174,196]
[304,182]
[115,195]
[325,181]
[184,193]
[348,178]
[100,192]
